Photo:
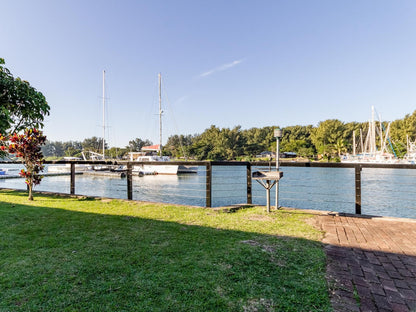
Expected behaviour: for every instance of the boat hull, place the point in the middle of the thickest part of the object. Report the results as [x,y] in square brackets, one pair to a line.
[157,169]
[187,169]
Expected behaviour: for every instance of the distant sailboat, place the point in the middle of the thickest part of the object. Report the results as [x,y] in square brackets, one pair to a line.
[147,156]
[369,152]
[94,156]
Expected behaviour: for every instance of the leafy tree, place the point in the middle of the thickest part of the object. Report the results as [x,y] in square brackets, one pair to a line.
[21,105]
[298,139]
[218,144]
[72,152]
[94,144]
[401,129]
[178,145]
[204,143]
[258,140]
[339,147]
[350,129]
[326,135]
[232,142]
[27,146]
[52,149]
[116,152]
[137,144]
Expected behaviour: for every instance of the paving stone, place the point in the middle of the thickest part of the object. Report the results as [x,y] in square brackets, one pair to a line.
[397,307]
[384,310]
[383,259]
[388,284]
[393,257]
[410,281]
[363,292]
[367,305]
[388,266]
[395,274]
[405,273]
[411,304]
[359,280]
[408,294]
[377,289]
[408,260]
[356,270]
[371,277]
[401,284]
[381,302]
[345,307]
[394,296]
[398,264]
[383,274]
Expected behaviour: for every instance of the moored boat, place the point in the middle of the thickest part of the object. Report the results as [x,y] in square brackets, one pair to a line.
[370,153]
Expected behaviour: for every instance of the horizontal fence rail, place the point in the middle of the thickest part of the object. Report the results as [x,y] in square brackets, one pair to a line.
[231,184]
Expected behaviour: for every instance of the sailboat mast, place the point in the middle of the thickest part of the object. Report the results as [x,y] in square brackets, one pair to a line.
[160,114]
[103,114]
[373,132]
[353,143]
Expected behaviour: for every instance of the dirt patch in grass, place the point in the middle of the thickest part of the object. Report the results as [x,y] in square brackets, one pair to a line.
[259,218]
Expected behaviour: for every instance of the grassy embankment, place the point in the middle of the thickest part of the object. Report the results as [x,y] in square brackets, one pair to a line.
[83,254]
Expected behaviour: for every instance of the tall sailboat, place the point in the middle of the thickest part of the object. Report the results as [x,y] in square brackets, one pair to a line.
[148,150]
[103,114]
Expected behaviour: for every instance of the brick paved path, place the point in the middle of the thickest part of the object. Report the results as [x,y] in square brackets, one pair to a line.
[371,262]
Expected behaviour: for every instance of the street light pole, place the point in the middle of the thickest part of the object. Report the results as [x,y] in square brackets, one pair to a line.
[278,135]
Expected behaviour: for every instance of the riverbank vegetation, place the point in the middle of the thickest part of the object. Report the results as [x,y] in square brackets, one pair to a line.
[328,140]
[85,254]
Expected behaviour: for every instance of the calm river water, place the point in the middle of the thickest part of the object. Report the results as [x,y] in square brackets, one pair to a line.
[385,192]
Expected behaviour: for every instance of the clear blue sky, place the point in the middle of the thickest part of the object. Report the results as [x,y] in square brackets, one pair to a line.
[224,63]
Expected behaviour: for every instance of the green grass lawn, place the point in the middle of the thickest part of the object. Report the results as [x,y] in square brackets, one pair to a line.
[84,254]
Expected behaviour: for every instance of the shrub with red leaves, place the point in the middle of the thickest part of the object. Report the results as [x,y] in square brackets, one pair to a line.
[27,147]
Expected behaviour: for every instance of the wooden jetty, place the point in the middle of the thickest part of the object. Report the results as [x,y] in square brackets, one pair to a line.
[17,176]
[111,174]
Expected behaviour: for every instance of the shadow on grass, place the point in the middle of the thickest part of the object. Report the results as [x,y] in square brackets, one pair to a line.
[60,260]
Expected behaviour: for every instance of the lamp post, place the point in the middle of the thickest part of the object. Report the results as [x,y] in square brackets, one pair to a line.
[278,135]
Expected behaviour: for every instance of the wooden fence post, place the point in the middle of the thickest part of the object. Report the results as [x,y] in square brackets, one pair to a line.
[208,200]
[358,169]
[129,181]
[72,190]
[249,185]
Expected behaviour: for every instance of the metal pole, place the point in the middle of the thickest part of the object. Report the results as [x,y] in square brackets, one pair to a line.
[277,169]
[268,195]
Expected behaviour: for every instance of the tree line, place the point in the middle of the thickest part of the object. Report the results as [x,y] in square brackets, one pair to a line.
[23,107]
[328,140]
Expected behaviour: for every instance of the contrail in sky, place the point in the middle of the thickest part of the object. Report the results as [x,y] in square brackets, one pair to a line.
[221,68]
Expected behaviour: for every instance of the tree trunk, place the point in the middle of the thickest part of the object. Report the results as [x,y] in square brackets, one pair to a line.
[30,186]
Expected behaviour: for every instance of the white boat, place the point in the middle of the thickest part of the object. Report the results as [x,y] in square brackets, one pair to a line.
[410,157]
[369,151]
[158,169]
[155,169]
[66,168]
[9,171]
